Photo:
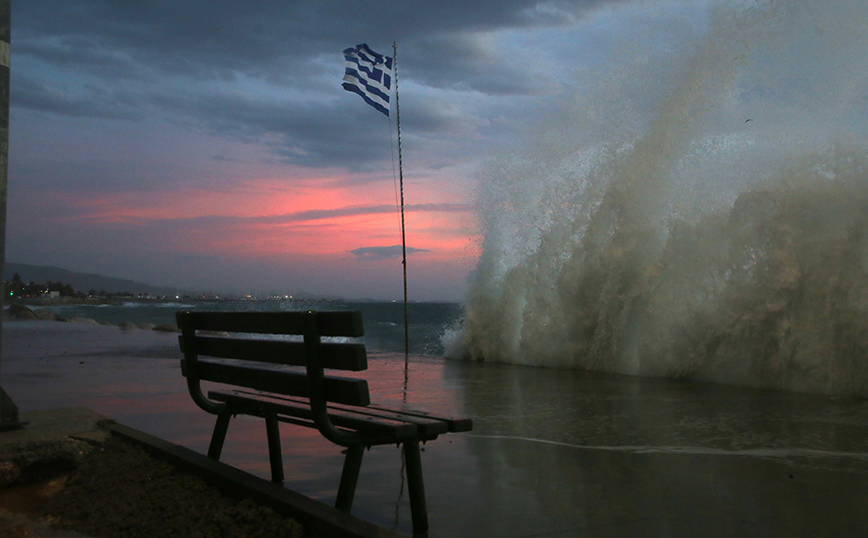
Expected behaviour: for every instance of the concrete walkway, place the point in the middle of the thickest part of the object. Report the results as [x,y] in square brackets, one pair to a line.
[51,442]
[49,426]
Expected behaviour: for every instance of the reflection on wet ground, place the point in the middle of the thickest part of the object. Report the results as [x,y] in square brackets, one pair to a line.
[553,453]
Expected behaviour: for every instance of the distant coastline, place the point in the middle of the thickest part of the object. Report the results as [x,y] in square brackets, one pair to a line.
[51,301]
[116,300]
[86,281]
[120,289]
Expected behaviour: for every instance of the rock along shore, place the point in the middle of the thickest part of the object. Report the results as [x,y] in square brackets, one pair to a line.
[17,311]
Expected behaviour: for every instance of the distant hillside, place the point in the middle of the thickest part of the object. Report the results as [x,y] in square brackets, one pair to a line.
[81,281]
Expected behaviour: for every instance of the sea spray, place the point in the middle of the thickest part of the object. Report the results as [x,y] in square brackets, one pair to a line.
[720,236]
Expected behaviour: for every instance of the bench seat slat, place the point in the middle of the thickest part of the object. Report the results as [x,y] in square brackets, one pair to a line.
[337,389]
[334,323]
[453,424]
[338,356]
[386,430]
[429,427]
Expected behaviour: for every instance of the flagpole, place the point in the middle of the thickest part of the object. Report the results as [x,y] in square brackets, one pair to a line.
[403,234]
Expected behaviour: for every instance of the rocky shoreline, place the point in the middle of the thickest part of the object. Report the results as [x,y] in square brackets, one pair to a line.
[17,311]
[119,490]
[61,477]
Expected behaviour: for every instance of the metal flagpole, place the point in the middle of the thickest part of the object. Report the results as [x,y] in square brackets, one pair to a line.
[364,76]
[403,234]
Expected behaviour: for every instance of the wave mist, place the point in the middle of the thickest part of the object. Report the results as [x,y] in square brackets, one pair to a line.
[695,211]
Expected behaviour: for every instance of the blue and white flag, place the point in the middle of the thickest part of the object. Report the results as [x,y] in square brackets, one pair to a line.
[369,74]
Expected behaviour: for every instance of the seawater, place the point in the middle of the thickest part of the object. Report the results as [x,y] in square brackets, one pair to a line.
[429,322]
[552,452]
[697,210]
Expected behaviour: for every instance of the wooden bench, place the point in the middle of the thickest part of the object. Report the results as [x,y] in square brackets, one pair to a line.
[261,384]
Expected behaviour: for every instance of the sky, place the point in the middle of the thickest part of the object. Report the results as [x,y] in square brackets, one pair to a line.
[208,144]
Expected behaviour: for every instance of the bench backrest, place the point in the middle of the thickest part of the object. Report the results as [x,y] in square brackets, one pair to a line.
[246,351]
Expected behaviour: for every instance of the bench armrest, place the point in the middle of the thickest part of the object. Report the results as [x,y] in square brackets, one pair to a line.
[194,385]
[315,377]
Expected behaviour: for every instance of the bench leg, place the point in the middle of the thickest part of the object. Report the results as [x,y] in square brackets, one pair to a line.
[219,436]
[274,453]
[349,477]
[416,486]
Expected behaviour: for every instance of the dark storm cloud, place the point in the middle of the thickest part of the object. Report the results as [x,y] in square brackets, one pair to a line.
[462,62]
[260,32]
[306,135]
[79,51]
[336,133]
[196,60]
[92,102]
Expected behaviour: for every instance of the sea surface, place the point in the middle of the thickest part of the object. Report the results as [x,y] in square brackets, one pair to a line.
[429,323]
[553,452]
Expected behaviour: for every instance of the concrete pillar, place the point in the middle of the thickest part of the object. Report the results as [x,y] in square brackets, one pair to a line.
[8,410]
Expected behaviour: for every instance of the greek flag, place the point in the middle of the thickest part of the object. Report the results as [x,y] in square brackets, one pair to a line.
[369,74]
